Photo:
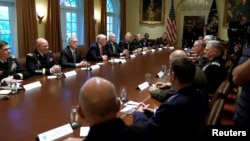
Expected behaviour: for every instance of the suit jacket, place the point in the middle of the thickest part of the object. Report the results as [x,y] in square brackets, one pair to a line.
[215,72]
[160,41]
[37,64]
[146,43]
[13,67]
[93,53]
[136,44]
[179,116]
[109,49]
[66,58]
[116,130]
[126,45]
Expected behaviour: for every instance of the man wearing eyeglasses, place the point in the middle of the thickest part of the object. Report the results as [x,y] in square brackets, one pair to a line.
[10,68]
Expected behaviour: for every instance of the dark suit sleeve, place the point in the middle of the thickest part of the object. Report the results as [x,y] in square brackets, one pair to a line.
[109,52]
[93,54]
[21,72]
[65,59]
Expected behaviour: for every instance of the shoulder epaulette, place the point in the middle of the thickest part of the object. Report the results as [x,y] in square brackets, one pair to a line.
[216,63]
[30,54]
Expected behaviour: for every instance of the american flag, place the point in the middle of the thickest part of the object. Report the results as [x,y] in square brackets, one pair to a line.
[171,25]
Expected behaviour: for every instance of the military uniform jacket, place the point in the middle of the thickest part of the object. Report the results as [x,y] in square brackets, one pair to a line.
[38,64]
[215,72]
[12,67]
[160,41]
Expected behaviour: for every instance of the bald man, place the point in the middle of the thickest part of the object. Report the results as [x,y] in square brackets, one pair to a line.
[99,106]
[162,90]
[41,60]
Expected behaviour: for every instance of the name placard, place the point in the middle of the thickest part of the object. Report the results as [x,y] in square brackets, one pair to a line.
[32,85]
[93,67]
[144,52]
[143,85]
[55,133]
[153,50]
[51,77]
[70,73]
[160,74]
[171,48]
[132,56]
[84,131]
[160,49]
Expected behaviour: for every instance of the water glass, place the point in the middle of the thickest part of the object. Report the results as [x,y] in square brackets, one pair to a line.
[14,87]
[164,69]
[148,77]
[74,118]
[123,94]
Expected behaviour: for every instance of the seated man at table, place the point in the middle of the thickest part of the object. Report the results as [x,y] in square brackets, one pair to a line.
[41,60]
[10,68]
[125,44]
[161,41]
[71,55]
[183,113]
[215,69]
[112,49]
[200,60]
[98,105]
[96,50]
[162,91]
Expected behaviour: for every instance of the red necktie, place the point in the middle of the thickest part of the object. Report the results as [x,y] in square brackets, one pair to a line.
[101,51]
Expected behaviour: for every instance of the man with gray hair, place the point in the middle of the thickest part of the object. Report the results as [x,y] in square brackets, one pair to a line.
[214,70]
[71,55]
[96,50]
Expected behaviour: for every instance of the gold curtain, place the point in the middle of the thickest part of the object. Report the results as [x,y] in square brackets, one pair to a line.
[26,26]
[123,18]
[89,23]
[103,24]
[53,26]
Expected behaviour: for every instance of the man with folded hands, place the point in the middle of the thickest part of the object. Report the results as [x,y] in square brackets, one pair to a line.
[41,60]
[71,55]
[163,90]
[182,115]
[10,68]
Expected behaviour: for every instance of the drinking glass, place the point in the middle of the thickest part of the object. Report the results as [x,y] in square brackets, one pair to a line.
[74,118]
[123,94]
[148,77]
[164,69]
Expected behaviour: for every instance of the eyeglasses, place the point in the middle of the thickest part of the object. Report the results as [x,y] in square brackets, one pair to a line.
[5,49]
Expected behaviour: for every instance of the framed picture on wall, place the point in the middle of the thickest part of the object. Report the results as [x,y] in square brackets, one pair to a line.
[234,9]
[152,12]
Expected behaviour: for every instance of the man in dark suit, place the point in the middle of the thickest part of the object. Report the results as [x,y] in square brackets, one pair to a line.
[96,50]
[71,55]
[125,44]
[214,70]
[112,49]
[41,60]
[10,69]
[161,41]
[183,113]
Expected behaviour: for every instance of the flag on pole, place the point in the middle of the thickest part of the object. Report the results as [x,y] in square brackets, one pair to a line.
[171,25]
[213,20]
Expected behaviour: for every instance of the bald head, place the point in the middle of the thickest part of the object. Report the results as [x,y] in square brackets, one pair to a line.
[98,101]
[42,45]
[176,54]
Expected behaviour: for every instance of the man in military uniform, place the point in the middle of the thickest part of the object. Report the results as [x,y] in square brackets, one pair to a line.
[41,60]
[10,68]
[214,70]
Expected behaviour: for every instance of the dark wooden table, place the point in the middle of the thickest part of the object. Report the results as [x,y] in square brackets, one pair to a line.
[29,113]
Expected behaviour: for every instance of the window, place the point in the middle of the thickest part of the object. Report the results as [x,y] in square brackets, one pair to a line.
[7,25]
[72,20]
[113,18]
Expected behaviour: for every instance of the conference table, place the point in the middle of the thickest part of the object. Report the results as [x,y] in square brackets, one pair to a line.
[31,112]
